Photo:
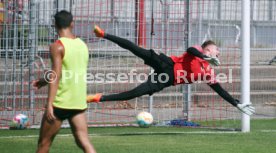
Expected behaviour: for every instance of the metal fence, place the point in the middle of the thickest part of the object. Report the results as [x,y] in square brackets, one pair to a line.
[168,26]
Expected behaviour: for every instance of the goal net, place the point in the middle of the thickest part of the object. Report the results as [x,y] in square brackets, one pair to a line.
[166,26]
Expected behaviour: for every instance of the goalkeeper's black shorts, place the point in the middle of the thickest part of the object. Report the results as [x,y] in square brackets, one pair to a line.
[163,75]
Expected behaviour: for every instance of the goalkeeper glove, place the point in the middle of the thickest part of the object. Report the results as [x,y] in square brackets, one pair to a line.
[98,31]
[94,98]
[246,108]
[212,60]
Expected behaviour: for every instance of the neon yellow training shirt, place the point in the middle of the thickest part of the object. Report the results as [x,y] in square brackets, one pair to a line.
[72,88]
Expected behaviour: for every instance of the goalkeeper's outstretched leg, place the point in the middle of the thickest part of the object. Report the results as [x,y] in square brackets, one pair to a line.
[149,56]
[124,43]
[145,88]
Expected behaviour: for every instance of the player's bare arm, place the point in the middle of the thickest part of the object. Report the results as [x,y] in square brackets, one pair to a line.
[57,52]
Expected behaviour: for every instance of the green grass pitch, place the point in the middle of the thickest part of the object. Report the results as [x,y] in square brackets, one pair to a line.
[261,139]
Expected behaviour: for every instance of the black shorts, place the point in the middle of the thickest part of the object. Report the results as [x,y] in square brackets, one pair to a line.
[63,114]
[162,64]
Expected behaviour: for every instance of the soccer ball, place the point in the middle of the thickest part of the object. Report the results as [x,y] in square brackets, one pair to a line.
[144,119]
[20,121]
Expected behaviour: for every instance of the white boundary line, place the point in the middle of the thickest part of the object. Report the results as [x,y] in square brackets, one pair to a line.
[130,133]
[268,131]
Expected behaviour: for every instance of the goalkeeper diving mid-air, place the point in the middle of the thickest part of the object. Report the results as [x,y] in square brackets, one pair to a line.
[191,66]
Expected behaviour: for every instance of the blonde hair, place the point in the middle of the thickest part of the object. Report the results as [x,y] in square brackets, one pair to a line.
[208,42]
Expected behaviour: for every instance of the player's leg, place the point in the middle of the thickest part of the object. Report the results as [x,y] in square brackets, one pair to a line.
[143,89]
[150,57]
[78,125]
[140,90]
[124,43]
[47,134]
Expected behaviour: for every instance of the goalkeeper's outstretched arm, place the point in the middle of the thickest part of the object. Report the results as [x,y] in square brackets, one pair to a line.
[195,52]
[224,94]
[212,60]
[245,108]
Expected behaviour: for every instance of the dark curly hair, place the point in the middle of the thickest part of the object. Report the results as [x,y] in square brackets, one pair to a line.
[63,19]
